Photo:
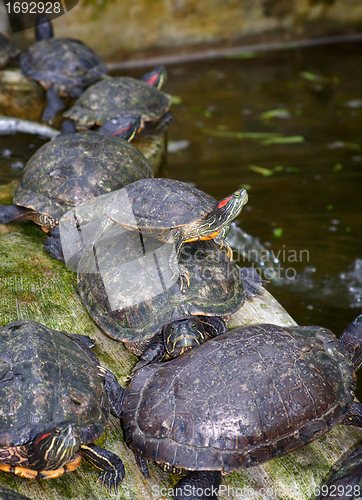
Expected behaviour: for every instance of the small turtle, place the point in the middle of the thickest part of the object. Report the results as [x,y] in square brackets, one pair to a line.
[55,401]
[250,395]
[346,482]
[74,168]
[112,96]
[8,51]
[175,212]
[154,316]
[63,66]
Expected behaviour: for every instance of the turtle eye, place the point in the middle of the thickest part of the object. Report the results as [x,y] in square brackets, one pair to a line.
[172,328]
[237,194]
[56,432]
[194,326]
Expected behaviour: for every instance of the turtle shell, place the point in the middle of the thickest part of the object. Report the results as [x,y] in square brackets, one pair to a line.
[8,51]
[150,296]
[158,205]
[46,377]
[62,63]
[75,168]
[252,394]
[114,96]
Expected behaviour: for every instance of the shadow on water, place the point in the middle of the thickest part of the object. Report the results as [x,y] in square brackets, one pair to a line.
[287,126]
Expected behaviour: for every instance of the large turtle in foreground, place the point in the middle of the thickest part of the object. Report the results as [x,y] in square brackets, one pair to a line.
[113,96]
[63,66]
[137,302]
[72,169]
[346,482]
[250,395]
[55,401]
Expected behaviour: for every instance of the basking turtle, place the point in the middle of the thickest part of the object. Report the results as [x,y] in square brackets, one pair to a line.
[74,168]
[346,482]
[112,96]
[8,51]
[55,401]
[137,302]
[252,394]
[175,212]
[63,66]
[6,494]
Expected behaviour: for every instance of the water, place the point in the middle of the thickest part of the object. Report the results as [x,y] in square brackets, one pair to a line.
[287,126]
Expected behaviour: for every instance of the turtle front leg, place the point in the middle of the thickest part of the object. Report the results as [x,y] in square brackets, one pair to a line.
[54,105]
[116,393]
[220,240]
[110,464]
[201,484]
[354,415]
[175,266]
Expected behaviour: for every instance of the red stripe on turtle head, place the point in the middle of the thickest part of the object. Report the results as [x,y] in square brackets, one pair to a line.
[153,79]
[40,438]
[224,202]
[120,131]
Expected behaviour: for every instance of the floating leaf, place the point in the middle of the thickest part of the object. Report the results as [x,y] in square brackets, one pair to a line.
[267,172]
[207,113]
[277,232]
[312,77]
[242,55]
[275,113]
[338,167]
[240,135]
[329,207]
[176,99]
[293,139]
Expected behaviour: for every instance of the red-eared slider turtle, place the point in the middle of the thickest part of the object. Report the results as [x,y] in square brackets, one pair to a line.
[112,96]
[8,51]
[346,482]
[74,168]
[6,494]
[250,395]
[55,401]
[175,212]
[63,66]
[134,300]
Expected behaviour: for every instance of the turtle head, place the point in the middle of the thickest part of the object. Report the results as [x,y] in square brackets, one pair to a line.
[230,207]
[54,447]
[351,339]
[155,78]
[125,126]
[182,335]
[43,28]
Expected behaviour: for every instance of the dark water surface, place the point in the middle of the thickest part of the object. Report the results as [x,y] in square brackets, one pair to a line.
[287,126]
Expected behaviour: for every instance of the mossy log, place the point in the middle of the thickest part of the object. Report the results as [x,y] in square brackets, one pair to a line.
[33,286]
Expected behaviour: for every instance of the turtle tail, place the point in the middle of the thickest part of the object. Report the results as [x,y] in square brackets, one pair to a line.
[13,213]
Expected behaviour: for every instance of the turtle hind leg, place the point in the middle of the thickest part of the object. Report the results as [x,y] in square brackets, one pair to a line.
[54,105]
[53,244]
[13,213]
[110,464]
[252,282]
[201,484]
[354,415]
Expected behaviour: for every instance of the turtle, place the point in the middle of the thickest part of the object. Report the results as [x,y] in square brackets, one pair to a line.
[175,212]
[6,494]
[112,96]
[71,169]
[55,401]
[137,303]
[63,66]
[346,482]
[8,51]
[242,398]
